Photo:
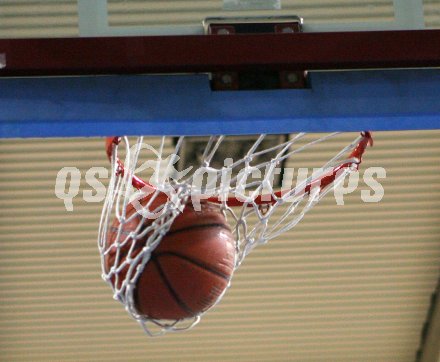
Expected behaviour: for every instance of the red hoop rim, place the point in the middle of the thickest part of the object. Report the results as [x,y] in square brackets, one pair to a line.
[322,182]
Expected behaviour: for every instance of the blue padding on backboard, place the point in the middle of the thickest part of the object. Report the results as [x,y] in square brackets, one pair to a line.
[184,105]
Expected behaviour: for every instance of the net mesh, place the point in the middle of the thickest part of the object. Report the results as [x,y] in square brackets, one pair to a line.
[258,203]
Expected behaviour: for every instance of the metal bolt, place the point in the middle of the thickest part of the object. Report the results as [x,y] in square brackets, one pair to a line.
[292,77]
[2,60]
[223,31]
[287,29]
[226,78]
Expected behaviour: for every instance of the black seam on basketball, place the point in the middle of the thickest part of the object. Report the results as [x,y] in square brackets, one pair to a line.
[170,288]
[199,226]
[195,262]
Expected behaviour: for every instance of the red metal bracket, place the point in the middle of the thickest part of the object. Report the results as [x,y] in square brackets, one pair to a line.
[262,78]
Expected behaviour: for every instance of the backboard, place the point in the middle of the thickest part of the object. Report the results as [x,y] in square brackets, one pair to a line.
[121,18]
[134,17]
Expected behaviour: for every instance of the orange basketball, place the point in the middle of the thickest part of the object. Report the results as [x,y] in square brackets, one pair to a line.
[189,269]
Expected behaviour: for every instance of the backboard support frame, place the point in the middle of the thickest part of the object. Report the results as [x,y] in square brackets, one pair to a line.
[210,53]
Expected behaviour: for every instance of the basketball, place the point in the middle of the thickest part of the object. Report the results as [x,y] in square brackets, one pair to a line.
[187,272]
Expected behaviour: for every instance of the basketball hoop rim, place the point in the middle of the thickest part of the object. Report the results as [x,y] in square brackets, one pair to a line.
[322,182]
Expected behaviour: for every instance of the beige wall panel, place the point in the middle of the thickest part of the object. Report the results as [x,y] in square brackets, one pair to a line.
[349,283]
[58,18]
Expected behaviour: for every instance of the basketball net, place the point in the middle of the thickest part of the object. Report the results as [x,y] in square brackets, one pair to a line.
[255,209]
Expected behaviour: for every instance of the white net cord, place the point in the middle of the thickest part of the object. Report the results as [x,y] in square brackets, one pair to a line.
[256,209]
